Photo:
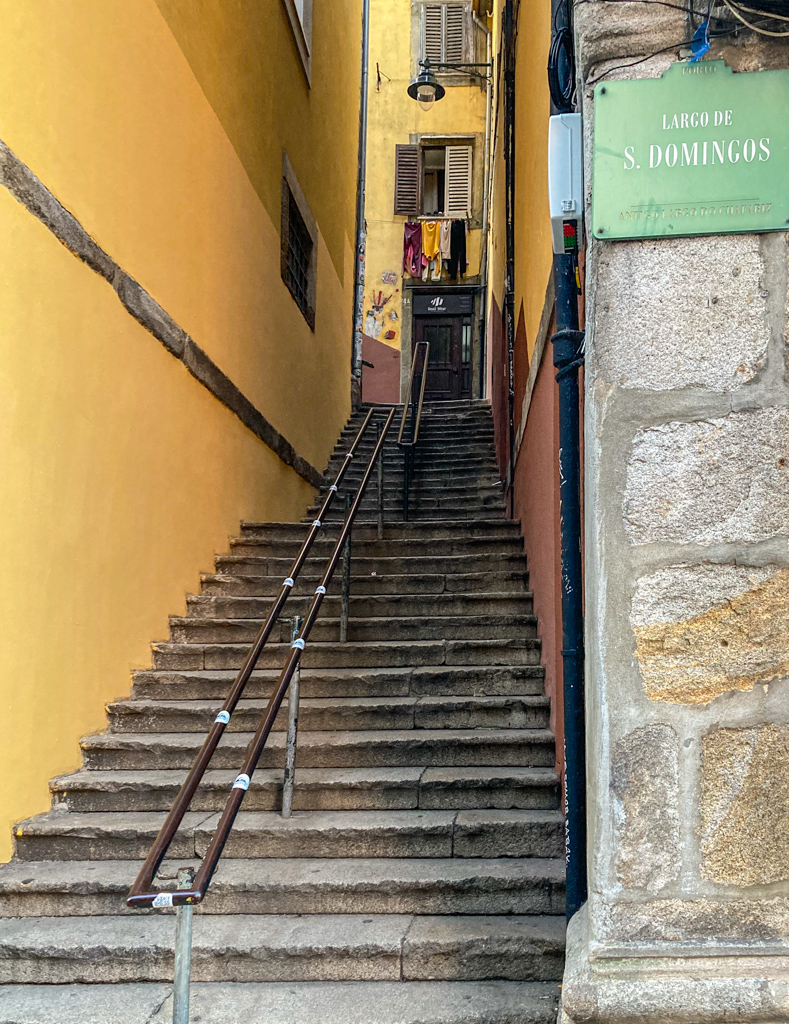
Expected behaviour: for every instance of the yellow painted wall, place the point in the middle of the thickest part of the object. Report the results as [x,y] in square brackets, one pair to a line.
[533,251]
[392,118]
[121,474]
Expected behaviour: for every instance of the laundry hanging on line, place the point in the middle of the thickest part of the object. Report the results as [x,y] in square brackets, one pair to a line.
[412,248]
[457,249]
[428,246]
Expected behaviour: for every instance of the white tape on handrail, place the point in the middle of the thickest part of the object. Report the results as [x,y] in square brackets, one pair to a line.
[164,899]
[288,582]
[298,643]
[242,782]
[223,716]
[320,590]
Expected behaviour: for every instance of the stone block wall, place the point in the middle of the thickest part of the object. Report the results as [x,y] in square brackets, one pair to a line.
[687,598]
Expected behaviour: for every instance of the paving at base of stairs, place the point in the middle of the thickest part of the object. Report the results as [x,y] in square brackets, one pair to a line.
[420,879]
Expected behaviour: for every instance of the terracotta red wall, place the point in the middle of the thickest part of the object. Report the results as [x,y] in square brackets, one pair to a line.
[381,382]
[536,501]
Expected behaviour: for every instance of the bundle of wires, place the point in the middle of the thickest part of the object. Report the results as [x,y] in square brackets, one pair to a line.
[767,17]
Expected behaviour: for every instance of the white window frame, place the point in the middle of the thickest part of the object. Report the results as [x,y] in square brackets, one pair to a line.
[300,17]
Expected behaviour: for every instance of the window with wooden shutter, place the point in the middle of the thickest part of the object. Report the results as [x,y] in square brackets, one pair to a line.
[454,24]
[443,33]
[433,32]
[407,181]
[457,201]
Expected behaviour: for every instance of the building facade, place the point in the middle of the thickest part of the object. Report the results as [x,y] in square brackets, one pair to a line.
[178,196]
[426,169]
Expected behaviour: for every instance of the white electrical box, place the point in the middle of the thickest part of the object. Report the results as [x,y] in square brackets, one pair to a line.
[565,176]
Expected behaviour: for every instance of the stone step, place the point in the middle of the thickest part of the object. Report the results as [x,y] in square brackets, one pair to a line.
[360,630]
[411,531]
[316,789]
[433,511]
[353,654]
[348,682]
[336,713]
[456,564]
[456,542]
[382,586]
[367,606]
[298,886]
[352,749]
[520,833]
[354,1002]
[284,947]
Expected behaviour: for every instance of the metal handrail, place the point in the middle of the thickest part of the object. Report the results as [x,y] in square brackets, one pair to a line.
[415,409]
[138,897]
[140,894]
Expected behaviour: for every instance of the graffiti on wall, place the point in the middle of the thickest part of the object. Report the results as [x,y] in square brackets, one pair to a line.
[381,322]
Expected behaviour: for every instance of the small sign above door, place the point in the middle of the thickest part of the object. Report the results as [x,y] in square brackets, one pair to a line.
[443,304]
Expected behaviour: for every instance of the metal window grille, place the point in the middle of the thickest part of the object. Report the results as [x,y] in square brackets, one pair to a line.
[298,258]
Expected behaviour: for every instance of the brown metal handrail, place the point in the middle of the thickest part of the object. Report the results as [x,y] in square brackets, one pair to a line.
[414,408]
[139,895]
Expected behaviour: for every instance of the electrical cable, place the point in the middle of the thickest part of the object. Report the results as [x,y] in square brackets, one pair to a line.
[756,28]
[561,77]
[656,53]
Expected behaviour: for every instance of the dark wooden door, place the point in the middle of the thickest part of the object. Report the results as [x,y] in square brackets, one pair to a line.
[446,375]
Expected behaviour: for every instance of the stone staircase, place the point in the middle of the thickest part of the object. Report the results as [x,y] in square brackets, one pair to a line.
[420,878]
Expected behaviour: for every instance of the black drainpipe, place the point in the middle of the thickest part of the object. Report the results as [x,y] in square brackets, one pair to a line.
[568,358]
[509,282]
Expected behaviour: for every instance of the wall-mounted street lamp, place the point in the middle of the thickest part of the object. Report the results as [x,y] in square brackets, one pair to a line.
[426,88]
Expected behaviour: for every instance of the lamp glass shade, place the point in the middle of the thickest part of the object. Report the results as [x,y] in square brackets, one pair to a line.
[426,95]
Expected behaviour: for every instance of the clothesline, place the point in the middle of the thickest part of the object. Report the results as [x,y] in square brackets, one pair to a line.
[428,244]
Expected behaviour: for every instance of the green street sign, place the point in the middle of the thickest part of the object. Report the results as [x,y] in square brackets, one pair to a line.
[699,151]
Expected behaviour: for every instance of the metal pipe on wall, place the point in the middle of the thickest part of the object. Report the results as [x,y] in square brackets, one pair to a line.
[485,220]
[567,358]
[361,186]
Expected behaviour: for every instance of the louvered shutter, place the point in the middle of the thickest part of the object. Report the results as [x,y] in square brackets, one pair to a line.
[454,25]
[443,32]
[433,32]
[458,182]
[406,202]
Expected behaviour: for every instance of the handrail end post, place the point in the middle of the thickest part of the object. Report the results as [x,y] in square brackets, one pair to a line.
[183,951]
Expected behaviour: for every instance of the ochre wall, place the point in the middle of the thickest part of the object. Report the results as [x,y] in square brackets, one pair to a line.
[392,118]
[533,252]
[122,474]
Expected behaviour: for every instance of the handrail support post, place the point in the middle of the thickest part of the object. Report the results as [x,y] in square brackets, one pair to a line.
[293,728]
[380,489]
[346,580]
[183,951]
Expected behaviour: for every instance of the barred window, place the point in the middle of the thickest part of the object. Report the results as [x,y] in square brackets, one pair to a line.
[298,255]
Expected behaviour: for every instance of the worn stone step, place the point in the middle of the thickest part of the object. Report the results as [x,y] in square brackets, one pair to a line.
[315,789]
[353,654]
[423,532]
[354,1002]
[59,835]
[407,585]
[298,886]
[367,606]
[284,947]
[456,541]
[360,630]
[348,682]
[458,564]
[323,714]
[352,749]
